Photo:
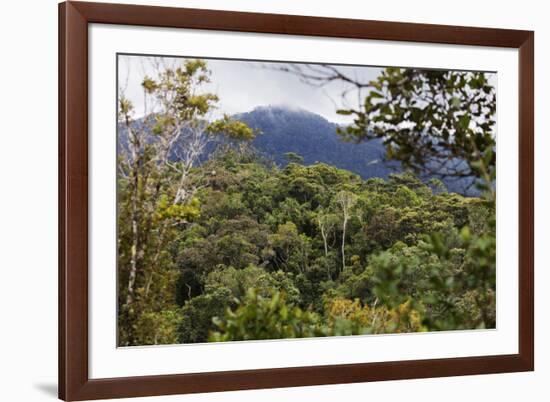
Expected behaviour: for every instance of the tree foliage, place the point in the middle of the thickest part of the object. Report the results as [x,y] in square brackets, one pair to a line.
[157,198]
[402,258]
[237,248]
[435,122]
[430,120]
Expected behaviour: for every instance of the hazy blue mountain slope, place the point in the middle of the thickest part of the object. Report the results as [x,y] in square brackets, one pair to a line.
[315,139]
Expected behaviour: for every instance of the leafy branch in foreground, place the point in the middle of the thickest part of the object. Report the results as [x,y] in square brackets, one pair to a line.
[435,122]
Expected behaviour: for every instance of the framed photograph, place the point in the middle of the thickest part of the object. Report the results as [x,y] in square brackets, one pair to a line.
[261,200]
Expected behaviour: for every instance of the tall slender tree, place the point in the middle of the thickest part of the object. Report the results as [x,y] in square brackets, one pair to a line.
[157,184]
[345,200]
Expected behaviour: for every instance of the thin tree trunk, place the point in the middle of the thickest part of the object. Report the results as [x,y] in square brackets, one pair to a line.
[154,262]
[324,235]
[133,262]
[375,314]
[134,218]
[344,241]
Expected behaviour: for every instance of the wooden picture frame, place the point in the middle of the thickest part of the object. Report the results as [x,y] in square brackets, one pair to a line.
[74,381]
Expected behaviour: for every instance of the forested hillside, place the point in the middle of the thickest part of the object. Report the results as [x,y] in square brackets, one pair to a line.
[315,250]
[282,130]
[225,244]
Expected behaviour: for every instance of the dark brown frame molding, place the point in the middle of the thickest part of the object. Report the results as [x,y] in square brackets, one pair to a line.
[74,17]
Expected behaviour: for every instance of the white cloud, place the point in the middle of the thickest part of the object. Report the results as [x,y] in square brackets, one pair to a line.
[244,85]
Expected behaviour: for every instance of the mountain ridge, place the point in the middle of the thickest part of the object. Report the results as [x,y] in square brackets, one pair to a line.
[289,129]
[313,137]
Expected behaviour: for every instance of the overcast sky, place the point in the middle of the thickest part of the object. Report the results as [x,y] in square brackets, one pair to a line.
[245,85]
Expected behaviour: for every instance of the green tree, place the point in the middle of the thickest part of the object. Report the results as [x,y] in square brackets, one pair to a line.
[239,281]
[293,157]
[253,251]
[290,248]
[265,318]
[157,187]
[431,120]
[198,314]
[345,201]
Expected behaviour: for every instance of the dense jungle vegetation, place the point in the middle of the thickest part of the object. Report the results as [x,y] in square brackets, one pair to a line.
[237,247]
